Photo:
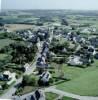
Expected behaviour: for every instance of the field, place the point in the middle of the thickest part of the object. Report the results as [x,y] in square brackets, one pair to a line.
[53,96]
[5,42]
[15,27]
[67,98]
[3,56]
[83,81]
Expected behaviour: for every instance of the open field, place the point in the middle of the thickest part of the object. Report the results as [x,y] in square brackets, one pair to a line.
[83,81]
[15,27]
[3,56]
[5,42]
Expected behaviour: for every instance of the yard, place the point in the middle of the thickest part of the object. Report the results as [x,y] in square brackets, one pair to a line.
[50,96]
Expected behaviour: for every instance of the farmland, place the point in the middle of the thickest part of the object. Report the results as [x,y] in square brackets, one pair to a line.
[15,27]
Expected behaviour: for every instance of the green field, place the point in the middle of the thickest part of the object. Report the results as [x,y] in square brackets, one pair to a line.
[67,98]
[5,42]
[3,56]
[53,96]
[50,96]
[83,81]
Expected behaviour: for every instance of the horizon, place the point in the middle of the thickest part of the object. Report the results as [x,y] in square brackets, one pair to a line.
[48,9]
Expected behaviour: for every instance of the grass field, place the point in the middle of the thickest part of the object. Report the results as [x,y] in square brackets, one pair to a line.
[83,81]
[3,56]
[51,96]
[67,98]
[5,42]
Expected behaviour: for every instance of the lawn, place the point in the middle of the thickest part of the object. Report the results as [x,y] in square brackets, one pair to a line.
[53,96]
[5,42]
[69,72]
[84,84]
[81,79]
[3,56]
[67,98]
[50,96]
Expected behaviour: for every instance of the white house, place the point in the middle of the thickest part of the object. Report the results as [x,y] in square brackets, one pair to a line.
[11,77]
[74,60]
[92,50]
[45,76]
[26,66]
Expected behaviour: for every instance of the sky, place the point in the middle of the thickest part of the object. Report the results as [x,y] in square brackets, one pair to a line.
[50,4]
[0,5]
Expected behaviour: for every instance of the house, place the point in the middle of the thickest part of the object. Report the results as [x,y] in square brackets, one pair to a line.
[26,66]
[64,50]
[0,87]
[91,50]
[96,56]
[94,41]
[38,44]
[36,95]
[41,63]
[8,76]
[74,60]
[86,30]
[52,54]
[44,78]
[45,51]
[42,34]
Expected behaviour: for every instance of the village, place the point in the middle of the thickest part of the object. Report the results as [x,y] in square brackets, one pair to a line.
[39,58]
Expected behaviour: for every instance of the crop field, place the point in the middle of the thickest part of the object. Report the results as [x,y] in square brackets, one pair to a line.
[15,27]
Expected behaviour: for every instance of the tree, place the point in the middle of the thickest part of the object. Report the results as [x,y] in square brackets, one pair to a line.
[5,86]
[28,80]
[22,53]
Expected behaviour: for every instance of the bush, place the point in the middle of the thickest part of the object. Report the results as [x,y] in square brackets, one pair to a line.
[17,76]
[28,80]
[5,86]
[32,81]
[51,80]
[18,91]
